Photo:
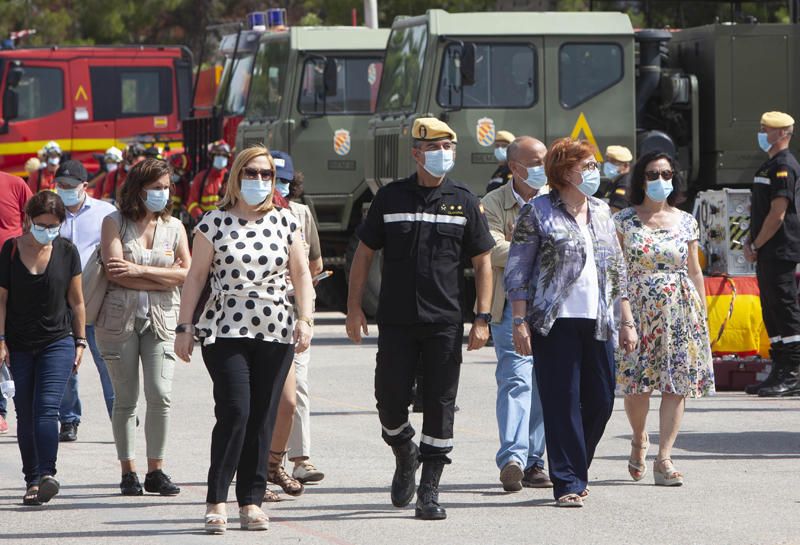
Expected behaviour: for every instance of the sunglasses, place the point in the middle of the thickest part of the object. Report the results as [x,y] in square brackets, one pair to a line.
[653,175]
[263,173]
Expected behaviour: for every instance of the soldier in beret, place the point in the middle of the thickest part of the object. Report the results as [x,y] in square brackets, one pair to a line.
[617,169]
[502,174]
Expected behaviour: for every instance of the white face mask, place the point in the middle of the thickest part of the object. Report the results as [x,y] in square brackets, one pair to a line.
[111,167]
[255,191]
[439,162]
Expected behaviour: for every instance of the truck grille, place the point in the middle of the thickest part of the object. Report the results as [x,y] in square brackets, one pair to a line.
[386,155]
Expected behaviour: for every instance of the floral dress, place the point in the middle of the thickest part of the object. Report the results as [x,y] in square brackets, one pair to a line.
[674,354]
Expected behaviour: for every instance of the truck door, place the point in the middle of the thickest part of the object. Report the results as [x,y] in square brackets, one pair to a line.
[89,136]
[506,95]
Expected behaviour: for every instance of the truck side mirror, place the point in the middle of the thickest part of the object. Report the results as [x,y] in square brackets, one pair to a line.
[15,74]
[468,54]
[330,77]
[10,104]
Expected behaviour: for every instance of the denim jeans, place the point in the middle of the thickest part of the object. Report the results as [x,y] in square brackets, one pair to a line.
[519,409]
[71,404]
[40,378]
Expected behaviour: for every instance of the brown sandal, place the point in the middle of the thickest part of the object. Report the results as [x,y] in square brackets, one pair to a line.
[31,496]
[271,497]
[276,474]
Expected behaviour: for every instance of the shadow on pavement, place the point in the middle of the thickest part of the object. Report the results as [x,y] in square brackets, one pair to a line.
[732,445]
[343,341]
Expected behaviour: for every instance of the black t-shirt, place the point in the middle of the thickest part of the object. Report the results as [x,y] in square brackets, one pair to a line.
[500,177]
[777,178]
[426,234]
[37,312]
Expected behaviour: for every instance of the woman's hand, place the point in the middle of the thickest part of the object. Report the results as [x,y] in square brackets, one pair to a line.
[120,268]
[4,354]
[78,357]
[628,338]
[522,339]
[184,344]
[302,336]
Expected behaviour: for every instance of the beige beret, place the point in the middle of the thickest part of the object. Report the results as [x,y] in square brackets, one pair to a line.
[619,153]
[504,136]
[776,120]
[430,128]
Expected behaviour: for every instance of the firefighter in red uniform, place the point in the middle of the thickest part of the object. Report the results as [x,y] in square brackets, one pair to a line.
[44,178]
[107,188]
[180,169]
[208,185]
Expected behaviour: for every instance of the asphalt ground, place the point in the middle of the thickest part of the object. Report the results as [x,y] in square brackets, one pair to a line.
[740,455]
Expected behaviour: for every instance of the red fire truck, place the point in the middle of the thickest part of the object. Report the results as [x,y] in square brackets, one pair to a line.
[90,98]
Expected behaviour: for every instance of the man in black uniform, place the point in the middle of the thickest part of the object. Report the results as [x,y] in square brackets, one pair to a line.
[425,224]
[774,245]
[617,170]
[502,174]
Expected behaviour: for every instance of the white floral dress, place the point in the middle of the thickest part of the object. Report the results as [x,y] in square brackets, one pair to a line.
[674,354]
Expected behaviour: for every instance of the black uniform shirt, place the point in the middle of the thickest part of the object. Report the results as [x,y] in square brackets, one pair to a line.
[617,192]
[777,178]
[425,234]
[500,177]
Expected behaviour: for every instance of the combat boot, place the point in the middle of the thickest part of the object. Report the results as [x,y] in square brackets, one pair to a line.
[404,481]
[788,381]
[428,507]
[772,377]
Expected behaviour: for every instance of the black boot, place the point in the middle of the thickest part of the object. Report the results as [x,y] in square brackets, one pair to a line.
[771,380]
[787,376]
[428,507]
[404,481]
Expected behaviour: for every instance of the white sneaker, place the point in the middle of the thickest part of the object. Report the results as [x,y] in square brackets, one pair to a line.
[305,472]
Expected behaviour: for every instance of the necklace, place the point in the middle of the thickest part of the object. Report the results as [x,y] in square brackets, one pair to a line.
[574,209]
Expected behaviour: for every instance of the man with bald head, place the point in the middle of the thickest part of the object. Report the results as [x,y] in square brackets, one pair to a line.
[519,410]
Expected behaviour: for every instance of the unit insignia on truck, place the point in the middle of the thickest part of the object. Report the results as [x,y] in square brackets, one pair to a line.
[485,132]
[341,142]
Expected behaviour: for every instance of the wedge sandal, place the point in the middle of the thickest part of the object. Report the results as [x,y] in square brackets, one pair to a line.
[216,523]
[638,470]
[669,477]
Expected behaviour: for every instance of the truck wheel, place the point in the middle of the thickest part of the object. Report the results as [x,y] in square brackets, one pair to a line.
[372,290]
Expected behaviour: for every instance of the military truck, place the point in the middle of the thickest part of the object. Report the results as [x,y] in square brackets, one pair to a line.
[312,93]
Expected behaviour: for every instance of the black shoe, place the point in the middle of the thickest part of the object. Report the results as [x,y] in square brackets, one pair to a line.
[158,482]
[69,432]
[428,507]
[130,485]
[404,481]
[772,377]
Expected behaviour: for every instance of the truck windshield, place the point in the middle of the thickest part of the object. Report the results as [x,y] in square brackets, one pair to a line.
[235,83]
[356,86]
[269,80]
[405,56]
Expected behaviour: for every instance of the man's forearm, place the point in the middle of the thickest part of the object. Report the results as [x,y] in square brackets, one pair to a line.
[770,226]
[359,271]
[483,283]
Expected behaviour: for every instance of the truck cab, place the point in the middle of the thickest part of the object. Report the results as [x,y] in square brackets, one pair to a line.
[546,75]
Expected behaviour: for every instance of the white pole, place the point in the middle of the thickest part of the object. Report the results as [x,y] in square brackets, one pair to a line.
[371,13]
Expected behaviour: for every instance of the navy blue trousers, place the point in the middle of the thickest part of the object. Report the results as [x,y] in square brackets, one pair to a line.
[575,374]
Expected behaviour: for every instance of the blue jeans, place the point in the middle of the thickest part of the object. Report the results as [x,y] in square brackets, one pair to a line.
[40,378]
[519,409]
[71,404]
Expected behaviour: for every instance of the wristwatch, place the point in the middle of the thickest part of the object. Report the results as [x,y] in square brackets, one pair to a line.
[184,328]
[81,341]
[518,320]
[485,316]
[306,319]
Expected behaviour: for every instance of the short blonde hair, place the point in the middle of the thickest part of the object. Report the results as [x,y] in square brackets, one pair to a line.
[233,189]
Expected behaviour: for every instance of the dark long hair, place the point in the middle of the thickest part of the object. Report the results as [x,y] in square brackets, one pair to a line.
[638,184]
[143,173]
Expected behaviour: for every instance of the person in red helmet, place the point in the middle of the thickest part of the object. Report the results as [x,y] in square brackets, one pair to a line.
[208,184]
[180,170]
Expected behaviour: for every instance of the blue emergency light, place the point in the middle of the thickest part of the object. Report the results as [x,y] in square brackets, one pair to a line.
[276,17]
[257,20]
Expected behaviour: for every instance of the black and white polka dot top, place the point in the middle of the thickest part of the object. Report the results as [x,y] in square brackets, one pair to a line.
[248,277]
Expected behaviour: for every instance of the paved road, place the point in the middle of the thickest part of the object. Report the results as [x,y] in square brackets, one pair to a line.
[741,457]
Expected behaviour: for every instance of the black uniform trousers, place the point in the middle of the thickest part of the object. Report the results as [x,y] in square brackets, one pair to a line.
[400,348]
[576,378]
[779,307]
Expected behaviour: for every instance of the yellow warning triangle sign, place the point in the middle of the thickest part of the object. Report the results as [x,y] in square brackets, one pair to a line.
[82,93]
[582,126]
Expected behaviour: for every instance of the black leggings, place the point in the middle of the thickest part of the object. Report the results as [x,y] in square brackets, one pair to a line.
[248,377]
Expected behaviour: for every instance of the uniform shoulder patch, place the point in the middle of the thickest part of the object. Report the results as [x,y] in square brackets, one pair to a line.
[620,191]
[782,174]
[481,208]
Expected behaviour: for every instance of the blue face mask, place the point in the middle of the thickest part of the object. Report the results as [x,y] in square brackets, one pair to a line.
[500,154]
[220,162]
[156,199]
[45,235]
[590,182]
[610,169]
[763,142]
[536,177]
[659,190]
[255,191]
[439,162]
[282,188]
[71,197]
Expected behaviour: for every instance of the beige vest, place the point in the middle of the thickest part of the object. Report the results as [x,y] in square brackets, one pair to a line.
[115,321]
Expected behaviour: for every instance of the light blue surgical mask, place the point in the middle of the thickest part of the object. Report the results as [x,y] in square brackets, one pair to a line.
[45,235]
[111,167]
[71,197]
[220,162]
[55,161]
[659,190]
[763,142]
[536,177]
[500,154]
[590,182]
[283,188]
[156,199]
[255,191]
[439,162]
[610,169]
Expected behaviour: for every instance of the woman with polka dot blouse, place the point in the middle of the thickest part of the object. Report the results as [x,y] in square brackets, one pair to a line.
[247,328]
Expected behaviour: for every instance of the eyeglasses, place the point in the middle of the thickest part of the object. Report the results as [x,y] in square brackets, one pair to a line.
[591,165]
[263,173]
[40,226]
[653,175]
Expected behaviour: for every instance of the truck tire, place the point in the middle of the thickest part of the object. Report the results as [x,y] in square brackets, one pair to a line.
[372,289]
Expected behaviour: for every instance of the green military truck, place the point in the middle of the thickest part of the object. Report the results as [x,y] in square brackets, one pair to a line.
[312,93]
